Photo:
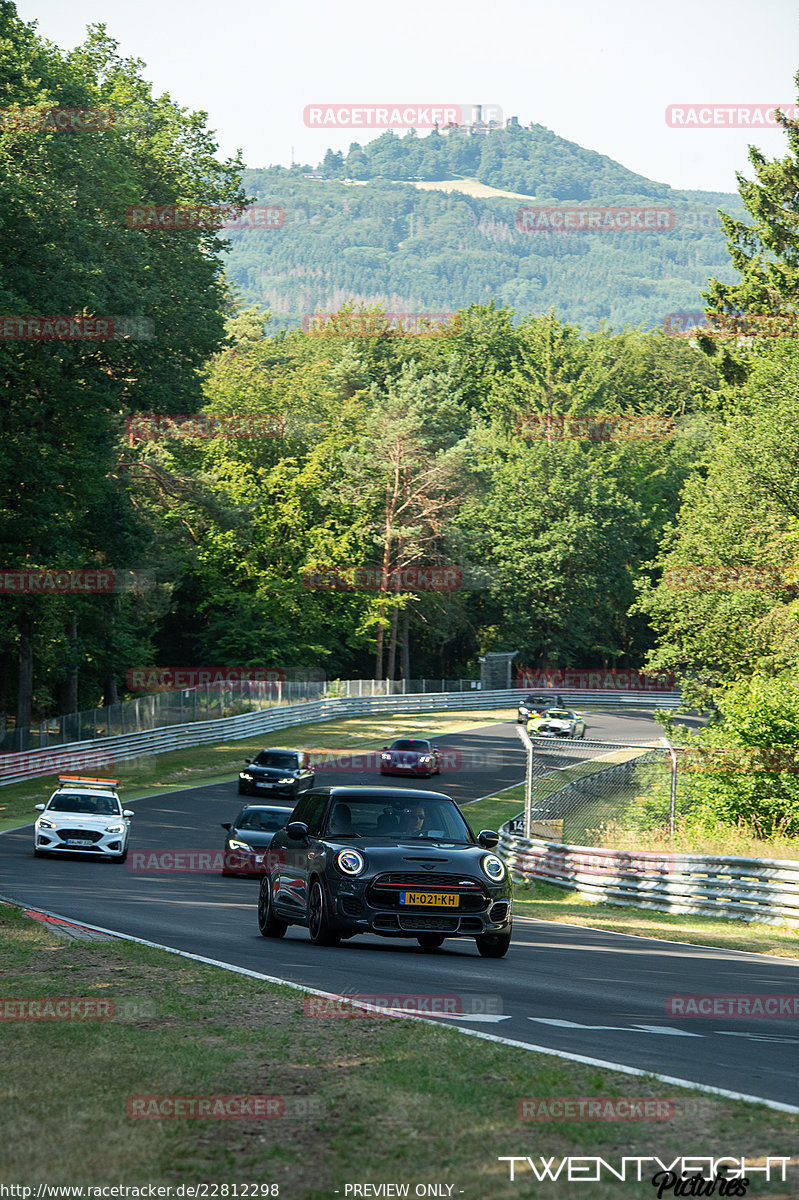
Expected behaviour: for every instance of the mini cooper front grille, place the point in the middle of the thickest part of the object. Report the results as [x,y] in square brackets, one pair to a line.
[85,835]
[427,880]
[430,923]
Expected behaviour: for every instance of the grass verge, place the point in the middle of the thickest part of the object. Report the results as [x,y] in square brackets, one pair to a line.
[221,762]
[375,1100]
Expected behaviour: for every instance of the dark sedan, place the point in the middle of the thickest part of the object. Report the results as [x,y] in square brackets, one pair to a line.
[410,756]
[249,836]
[396,862]
[277,773]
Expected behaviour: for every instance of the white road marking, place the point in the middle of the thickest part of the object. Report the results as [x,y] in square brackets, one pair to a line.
[622,1028]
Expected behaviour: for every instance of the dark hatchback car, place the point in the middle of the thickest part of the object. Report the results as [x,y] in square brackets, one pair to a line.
[277,773]
[249,836]
[532,706]
[396,862]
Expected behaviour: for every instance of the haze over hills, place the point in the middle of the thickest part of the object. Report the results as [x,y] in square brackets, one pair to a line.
[385,225]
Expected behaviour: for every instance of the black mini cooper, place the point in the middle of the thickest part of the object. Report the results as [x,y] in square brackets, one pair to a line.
[391,861]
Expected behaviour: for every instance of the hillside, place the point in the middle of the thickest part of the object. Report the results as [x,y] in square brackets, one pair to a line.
[414,236]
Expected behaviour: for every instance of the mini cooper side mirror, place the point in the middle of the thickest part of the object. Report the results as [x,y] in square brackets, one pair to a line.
[226,824]
[297,831]
[488,839]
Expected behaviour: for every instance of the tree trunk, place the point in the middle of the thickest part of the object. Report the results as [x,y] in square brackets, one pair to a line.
[68,688]
[25,690]
[392,645]
[406,649]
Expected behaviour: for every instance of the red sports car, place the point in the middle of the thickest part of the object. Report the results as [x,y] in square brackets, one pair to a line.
[410,756]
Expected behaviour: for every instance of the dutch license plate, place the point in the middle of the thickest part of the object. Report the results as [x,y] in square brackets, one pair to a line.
[78,842]
[430,899]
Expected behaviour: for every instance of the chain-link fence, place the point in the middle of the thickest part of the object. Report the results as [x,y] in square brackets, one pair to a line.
[207,703]
[586,793]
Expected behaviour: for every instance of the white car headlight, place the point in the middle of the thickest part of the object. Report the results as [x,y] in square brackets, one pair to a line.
[493,868]
[236,845]
[43,824]
[115,829]
[350,862]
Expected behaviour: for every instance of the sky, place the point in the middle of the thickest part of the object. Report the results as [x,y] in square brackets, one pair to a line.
[601,74]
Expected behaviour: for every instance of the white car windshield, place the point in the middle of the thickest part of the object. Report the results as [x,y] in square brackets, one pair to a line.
[89,805]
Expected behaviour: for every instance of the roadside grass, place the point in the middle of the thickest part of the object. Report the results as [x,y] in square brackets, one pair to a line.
[547,902]
[150,774]
[378,1099]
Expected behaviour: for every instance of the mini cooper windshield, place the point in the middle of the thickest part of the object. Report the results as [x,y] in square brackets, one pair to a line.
[437,820]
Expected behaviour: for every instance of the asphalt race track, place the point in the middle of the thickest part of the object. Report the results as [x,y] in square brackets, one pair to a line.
[562,987]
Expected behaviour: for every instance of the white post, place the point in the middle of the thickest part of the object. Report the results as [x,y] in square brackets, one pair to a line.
[528,780]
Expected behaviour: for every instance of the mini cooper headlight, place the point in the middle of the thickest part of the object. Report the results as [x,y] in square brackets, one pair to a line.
[493,868]
[44,824]
[350,862]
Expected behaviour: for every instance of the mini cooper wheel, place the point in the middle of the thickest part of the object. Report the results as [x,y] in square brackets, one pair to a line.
[267,924]
[319,926]
[430,941]
[494,945]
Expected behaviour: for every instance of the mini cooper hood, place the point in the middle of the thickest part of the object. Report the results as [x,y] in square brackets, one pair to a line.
[415,854]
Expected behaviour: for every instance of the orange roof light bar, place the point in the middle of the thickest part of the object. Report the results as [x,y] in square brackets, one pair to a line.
[84,779]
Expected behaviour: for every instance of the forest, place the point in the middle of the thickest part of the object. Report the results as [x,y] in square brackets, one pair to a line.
[586,497]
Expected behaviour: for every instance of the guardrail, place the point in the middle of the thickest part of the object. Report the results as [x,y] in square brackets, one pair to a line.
[743,889]
[15,768]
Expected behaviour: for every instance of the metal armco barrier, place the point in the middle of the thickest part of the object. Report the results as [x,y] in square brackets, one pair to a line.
[743,889]
[14,768]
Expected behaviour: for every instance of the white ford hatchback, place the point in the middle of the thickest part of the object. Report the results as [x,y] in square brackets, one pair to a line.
[83,816]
